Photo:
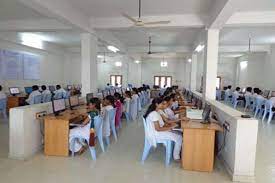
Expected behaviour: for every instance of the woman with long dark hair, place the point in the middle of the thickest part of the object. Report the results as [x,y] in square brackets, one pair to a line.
[161,130]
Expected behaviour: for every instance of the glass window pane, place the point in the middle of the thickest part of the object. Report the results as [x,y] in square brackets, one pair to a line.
[156,81]
[113,80]
[162,81]
[118,80]
[169,81]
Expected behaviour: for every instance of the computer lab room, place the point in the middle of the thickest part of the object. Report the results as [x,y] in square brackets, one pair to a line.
[138,91]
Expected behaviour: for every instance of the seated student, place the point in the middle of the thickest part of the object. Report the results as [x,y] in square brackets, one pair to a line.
[35,92]
[85,129]
[248,91]
[255,92]
[118,105]
[127,100]
[2,94]
[161,130]
[258,92]
[59,92]
[228,91]
[168,110]
[108,104]
[108,87]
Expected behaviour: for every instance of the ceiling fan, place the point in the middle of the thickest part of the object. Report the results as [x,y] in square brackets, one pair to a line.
[139,22]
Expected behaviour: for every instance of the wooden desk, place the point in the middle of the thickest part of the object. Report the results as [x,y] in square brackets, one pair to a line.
[198,145]
[15,101]
[56,129]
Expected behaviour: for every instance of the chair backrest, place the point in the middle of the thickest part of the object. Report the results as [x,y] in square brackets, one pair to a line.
[268,105]
[247,99]
[66,95]
[145,128]
[3,104]
[111,114]
[58,95]
[98,124]
[259,102]
[46,98]
[149,136]
[37,99]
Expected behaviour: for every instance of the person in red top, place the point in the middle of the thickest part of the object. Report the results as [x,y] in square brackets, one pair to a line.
[118,105]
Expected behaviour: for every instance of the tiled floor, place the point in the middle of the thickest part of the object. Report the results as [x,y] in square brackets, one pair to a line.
[121,163]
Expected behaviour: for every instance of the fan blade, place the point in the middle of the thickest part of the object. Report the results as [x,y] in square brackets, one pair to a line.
[129,17]
[157,22]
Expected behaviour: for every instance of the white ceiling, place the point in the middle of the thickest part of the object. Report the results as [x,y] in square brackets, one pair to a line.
[160,36]
[111,8]
[14,10]
[257,5]
[240,36]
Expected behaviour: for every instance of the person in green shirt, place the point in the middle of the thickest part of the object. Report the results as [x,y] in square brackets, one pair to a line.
[86,127]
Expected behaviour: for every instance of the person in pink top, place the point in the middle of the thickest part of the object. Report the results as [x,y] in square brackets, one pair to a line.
[118,106]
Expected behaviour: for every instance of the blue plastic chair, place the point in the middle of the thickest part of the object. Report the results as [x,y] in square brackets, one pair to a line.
[227,97]
[247,102]
[218,95]
[268,109]
[133,109]
[147,146]
[46,98]
[58,95]
[98,129]
[111,115]
[37,99]
[235,100]
[3,107]
[259,106]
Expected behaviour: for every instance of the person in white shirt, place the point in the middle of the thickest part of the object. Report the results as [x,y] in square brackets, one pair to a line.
[108,104]
[60,92]
[35,92]
[162,131]
[248,91]
[45,91]
[108,87]
[127,100]
[171,114]
[2,94]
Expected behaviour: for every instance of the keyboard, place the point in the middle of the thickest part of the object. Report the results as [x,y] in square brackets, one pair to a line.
[194,114]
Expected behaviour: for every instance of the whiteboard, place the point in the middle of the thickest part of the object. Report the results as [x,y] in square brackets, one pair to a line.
[31,67]
[12,65]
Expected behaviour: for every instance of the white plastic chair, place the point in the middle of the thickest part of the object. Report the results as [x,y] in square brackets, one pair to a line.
[36,100]
[46,98]
[259,106]
[147,146]
[268,110]
[133,108]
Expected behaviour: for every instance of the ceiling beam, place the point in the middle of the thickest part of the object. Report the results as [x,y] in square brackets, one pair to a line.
[144,49]
[41,25]
[262,18]
[243,48]
[222,10]
[186,20]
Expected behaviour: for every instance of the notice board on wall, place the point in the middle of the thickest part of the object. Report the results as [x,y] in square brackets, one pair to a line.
[19,66]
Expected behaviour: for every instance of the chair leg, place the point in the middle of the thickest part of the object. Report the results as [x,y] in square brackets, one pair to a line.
[93,152]
[101,143]
[146,151]
[264,115]
[270,117]
[168,153]
[114,132]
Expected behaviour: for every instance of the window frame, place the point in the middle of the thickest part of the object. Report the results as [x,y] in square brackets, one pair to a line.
[159,79]
[116,76]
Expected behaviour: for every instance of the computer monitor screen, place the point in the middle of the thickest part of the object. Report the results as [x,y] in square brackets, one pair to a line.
[206,112]
[89,96]
[14,90]
[273,94]
[74,101]
[52,88]
[28,90]
[58,105]
[266,93]
[69,87]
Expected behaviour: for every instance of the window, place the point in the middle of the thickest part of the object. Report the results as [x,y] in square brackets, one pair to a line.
[162,81]
[116,79]
[218,82]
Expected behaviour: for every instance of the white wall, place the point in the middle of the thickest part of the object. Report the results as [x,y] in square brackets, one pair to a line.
[200,66]
[227,71]
[51,68]
[176,69]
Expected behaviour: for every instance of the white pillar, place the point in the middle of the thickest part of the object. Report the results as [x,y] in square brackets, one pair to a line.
[88,63]
[193,77]
[210,64]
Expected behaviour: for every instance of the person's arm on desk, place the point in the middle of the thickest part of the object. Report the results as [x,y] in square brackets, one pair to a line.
[166,127]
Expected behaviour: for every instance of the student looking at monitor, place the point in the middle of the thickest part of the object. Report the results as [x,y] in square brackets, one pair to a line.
[35,92]
[60,92]
[45,91]
[160,130]
[86,128]
[2,94]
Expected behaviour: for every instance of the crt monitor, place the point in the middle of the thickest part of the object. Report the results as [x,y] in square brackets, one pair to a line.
[14,91]
[58,106]
[28,90]
[89,96]
[52,88]
[206,113]
[74,101]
